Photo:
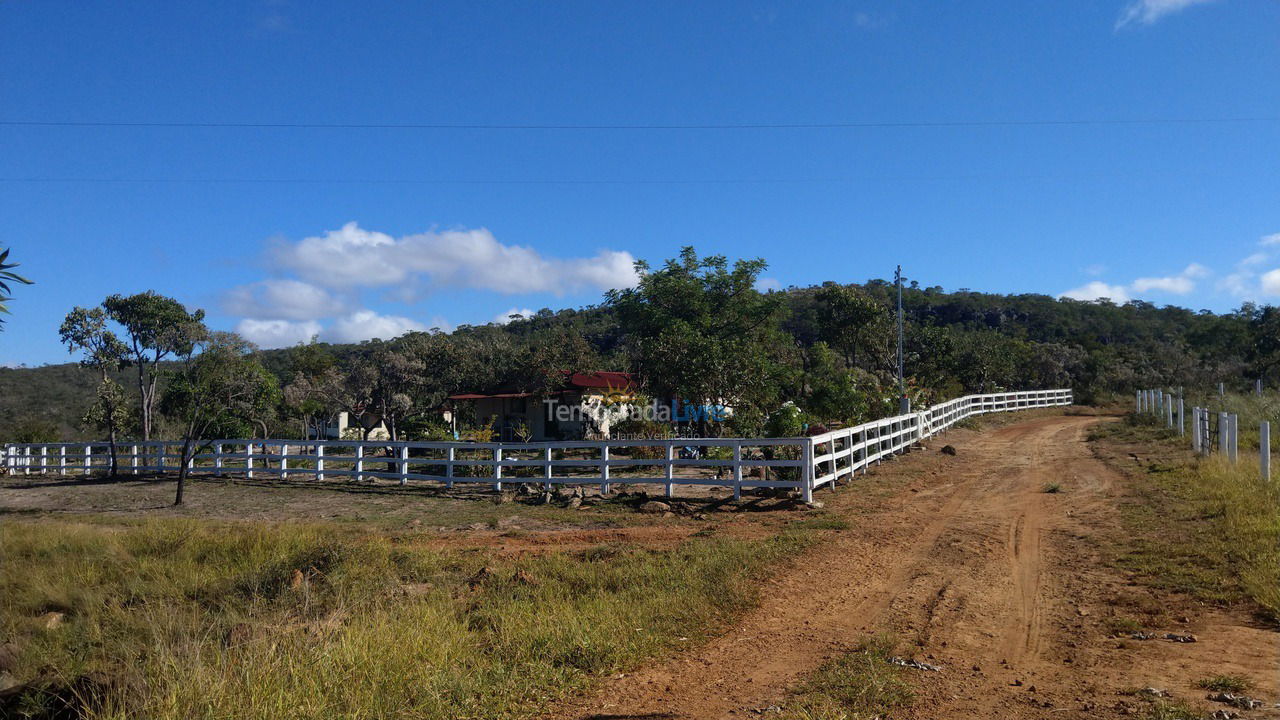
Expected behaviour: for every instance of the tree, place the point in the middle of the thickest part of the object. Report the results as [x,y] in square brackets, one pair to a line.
[158,327]
[307,364]
[7,275]
[854,324]
[85,330]
[700,332]
[219,386]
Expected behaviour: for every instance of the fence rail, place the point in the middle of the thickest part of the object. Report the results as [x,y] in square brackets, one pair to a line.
[802,464]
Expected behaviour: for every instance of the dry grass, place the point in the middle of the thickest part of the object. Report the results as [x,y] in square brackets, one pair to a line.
[182,618]
[1201,525]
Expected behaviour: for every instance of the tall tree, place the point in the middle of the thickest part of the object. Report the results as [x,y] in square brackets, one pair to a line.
[85,330]
[158,328]
[700,332]
[7,275]
[219,385]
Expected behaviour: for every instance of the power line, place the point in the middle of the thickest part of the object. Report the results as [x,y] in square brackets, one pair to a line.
[506,181]
[868,124]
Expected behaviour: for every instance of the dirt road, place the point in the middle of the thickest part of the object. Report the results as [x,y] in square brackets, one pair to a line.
[975,568]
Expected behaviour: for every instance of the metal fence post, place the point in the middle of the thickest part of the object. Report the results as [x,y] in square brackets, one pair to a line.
[1264,448]
[319,461]
[217,460]
[450,456]
[1182,419]
[248,460]
[359,462]
[404,464]
[88,458]
[284,461]
[1224,432]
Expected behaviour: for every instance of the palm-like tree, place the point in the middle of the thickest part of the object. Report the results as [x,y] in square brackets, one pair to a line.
[7,276]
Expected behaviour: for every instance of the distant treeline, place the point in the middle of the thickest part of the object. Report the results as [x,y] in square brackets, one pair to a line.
[696,328]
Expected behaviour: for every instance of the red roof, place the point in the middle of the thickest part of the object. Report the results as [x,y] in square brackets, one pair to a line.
[603,379]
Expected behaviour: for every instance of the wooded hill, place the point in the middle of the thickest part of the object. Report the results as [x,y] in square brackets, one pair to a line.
[696,328]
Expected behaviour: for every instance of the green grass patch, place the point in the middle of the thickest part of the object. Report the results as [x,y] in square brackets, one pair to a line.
[1225,683]
[199,619]
[860,684]
[1123,625]
[1052,488]
[1201,526]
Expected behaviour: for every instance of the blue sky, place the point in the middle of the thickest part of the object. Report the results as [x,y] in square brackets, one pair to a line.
[355,232]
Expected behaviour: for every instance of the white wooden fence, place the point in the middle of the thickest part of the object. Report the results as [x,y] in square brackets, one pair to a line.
[802,464]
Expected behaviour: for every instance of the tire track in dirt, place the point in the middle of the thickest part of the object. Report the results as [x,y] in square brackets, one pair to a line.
[843,590]
[971,560]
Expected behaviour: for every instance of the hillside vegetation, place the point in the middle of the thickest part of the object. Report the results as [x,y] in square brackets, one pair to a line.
[696,328]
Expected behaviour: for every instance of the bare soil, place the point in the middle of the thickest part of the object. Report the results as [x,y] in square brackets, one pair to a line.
[978,570]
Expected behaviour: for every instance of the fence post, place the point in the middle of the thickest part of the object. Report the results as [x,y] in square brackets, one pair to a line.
[248,460]
[670,468]
[806,471]
[44,460]
[1224,433]
[404,464]
[1235,437]
[1182,419]
[546,468]
[133,458]
[320,461]
[1138,402]
[450,455]
[1195,429]
[88,458]
[217,459]
[1264,448]
[737,472]
[604,469]
[497,468]
[284,461]
[62,460]
[1168,407]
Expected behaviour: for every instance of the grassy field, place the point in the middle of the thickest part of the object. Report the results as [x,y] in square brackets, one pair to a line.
[185,618]
[1201,526]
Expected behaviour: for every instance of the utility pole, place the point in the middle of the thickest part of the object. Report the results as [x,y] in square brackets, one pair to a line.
[904,403]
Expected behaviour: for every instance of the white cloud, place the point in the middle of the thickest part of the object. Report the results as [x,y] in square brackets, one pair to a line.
[1097,290]
[1180,284]
[281,299]
[504,318]
[277,333]
[354,257]
[765,284]
[1146,12]
[1095,270]
[1254,259]
[367,325]
[1272,239]
[1270,282]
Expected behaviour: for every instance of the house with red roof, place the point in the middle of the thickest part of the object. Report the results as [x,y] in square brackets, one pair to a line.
[585,407]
